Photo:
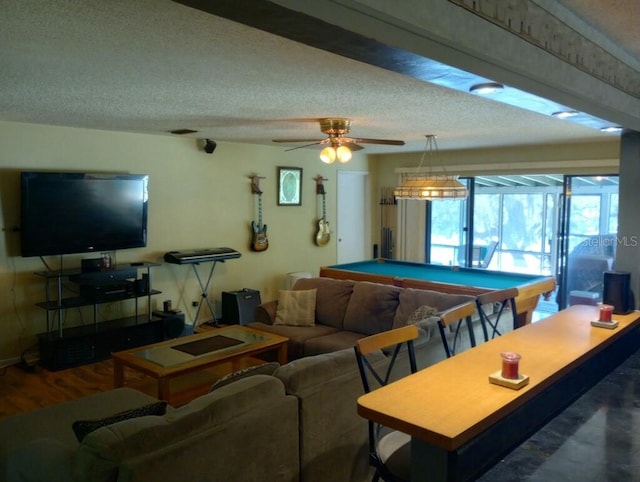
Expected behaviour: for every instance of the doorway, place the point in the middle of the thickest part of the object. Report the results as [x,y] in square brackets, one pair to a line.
[588,235]
[353,228]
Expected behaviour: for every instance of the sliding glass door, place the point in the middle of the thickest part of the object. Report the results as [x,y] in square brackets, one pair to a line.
[447,230]
[524,231]
[505,227]
[540,224]
[588,230]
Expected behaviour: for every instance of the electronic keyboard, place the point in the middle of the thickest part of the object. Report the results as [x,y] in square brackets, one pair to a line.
[200,255]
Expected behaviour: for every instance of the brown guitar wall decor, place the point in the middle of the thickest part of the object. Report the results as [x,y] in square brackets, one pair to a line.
[323,235]
[259,240]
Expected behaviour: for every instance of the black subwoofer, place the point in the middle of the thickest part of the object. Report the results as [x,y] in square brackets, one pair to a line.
[173,325]
[239,306]
[617,291]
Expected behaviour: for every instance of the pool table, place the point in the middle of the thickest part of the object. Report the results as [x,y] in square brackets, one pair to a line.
[447,279]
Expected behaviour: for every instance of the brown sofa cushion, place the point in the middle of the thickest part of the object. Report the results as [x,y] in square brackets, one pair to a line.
[102,451]
[332,298]
[334,439]
[297,335]
[372,308]
[260,443]
[332,342]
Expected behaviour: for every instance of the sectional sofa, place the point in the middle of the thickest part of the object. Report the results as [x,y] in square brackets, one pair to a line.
[297,424]
[344,311]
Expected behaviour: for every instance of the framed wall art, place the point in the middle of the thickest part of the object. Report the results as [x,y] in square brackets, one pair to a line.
[289,186]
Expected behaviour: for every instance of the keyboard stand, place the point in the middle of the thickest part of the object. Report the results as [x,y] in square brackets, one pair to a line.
[195,257]
[205,294]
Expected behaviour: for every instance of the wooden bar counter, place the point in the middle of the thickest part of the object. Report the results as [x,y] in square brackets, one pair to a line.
[461,424]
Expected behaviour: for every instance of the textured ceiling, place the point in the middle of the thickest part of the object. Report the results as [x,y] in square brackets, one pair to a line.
[151,66]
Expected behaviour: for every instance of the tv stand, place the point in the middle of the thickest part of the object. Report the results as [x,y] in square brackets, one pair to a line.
[66,347]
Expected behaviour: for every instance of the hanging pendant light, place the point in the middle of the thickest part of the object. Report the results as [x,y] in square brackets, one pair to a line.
[428,186]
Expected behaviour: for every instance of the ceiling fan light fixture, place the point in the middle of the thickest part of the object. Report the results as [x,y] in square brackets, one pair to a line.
[328,155]
[486,88]
[337,144]
[343,154]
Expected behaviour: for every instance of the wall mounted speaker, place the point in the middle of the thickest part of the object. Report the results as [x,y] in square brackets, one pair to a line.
[239,306]
[210,146]
[617,291]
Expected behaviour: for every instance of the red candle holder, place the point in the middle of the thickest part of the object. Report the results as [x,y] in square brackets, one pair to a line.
[510,365]
[605,312]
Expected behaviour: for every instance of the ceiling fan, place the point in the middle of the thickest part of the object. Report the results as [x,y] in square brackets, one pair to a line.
[338,145]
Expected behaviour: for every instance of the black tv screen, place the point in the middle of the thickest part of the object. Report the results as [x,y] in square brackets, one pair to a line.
[64,213]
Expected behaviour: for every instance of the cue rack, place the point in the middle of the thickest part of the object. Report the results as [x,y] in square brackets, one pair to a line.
[387,221]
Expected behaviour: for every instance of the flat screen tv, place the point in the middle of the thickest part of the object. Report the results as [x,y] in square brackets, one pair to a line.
[63,213]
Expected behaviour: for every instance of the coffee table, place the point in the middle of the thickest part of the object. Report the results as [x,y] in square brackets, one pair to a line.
[173,358]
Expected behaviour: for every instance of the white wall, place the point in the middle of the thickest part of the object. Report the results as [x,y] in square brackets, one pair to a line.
[196,200]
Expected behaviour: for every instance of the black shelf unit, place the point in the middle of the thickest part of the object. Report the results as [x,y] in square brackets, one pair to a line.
[87,344]
[79,301]
[67,347]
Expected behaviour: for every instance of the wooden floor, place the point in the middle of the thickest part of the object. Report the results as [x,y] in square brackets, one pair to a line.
[24,390]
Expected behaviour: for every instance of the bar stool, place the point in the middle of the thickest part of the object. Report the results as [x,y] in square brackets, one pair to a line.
[456,315]
[389,450]
[505,300]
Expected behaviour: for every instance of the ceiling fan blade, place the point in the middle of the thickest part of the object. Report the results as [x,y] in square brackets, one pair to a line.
[353,146]
[306,145]
[388,142]
[295,141]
